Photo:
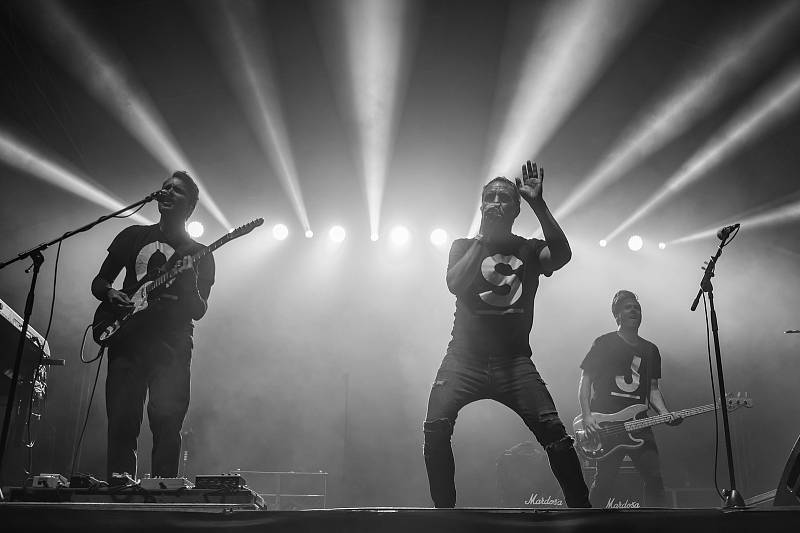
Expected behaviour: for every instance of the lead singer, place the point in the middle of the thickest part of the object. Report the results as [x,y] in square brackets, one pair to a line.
[494,277]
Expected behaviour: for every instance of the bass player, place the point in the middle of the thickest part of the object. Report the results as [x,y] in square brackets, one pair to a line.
[623,369]
[156,361]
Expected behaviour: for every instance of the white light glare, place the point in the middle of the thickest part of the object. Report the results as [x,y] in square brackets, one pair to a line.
[280,231]
[374,237]
[603,243]
[309,234]
[400,235]
[337,234]
[635,243]
[662,245]
[438,236]
[195,229]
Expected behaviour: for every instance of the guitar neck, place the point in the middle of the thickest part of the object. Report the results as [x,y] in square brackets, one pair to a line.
[662,419]
[171,273]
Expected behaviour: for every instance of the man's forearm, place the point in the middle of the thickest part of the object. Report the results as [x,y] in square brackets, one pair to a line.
[100,288]
[585,394]
[557,243]
[460,274]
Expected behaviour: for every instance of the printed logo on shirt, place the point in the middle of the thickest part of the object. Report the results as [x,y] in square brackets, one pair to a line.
[152,256]
[627,386]
[505,273]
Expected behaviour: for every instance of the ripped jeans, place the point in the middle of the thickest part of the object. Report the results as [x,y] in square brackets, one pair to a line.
[514,382]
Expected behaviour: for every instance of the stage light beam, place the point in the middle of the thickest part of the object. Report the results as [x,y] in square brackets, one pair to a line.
[31,161]
[111,83]
[773,103]
[705,87]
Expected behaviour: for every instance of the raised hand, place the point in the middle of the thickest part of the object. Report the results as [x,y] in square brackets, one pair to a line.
[530,186]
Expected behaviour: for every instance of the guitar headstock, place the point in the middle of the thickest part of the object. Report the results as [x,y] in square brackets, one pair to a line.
[245,228]
[740,400]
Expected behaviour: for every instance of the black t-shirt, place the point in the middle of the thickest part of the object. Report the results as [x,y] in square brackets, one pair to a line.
[141,249]
[620,373]
[494,315]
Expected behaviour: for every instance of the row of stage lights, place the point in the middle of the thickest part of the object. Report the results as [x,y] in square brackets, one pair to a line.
[399,235]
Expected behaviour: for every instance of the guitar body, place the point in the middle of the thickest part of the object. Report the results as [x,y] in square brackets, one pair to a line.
[613,435]
[108,322]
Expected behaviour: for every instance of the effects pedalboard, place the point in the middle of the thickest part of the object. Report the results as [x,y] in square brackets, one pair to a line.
[220,482]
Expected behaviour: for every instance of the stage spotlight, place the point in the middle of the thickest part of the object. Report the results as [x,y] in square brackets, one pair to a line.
[195,229]
[374,237]
[400,235]
[635,243]
[603,243]
[438,236]
[280,231]
[662,245]
[337,234]
[309,234]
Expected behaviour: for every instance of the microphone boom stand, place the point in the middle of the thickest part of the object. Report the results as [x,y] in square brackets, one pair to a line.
[35,254]
[733,498]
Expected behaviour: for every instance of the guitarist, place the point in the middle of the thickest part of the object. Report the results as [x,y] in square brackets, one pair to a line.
[156,358]
[620,370]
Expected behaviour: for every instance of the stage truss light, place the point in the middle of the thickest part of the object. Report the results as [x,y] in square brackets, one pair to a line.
[662,245]
[108,79]
[195,229]
[309,234]
[438,237]
[337,234]
[399,235]
[31,161]
[280,232]
[635,243]
[603,243]
[374,237]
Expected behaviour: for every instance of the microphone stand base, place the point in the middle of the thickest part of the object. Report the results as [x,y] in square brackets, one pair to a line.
[733,499]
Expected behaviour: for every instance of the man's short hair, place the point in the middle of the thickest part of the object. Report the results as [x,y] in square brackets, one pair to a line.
[506,181]
[619,299]
[194,190]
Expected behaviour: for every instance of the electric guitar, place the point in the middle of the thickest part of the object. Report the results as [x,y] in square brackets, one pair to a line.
[615,428]
[110,323]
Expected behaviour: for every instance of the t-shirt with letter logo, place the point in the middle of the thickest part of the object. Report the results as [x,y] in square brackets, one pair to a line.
[620,372]
[494,315]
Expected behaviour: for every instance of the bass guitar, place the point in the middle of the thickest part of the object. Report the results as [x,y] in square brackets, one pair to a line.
[617,430]
[110,323]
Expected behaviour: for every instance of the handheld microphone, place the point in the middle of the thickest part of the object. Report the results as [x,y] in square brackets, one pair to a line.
[725,232]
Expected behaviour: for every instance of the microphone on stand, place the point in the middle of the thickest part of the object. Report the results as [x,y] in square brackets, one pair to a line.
[725,232]
[158,195]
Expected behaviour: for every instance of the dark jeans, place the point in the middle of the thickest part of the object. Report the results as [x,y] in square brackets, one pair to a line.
[160,367]
[645,459]
[514,382]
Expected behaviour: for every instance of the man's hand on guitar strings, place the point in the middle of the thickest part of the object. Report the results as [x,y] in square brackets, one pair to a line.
[674,419]
[118,299]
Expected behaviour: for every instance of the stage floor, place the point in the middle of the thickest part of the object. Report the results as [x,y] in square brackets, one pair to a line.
[86,517]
